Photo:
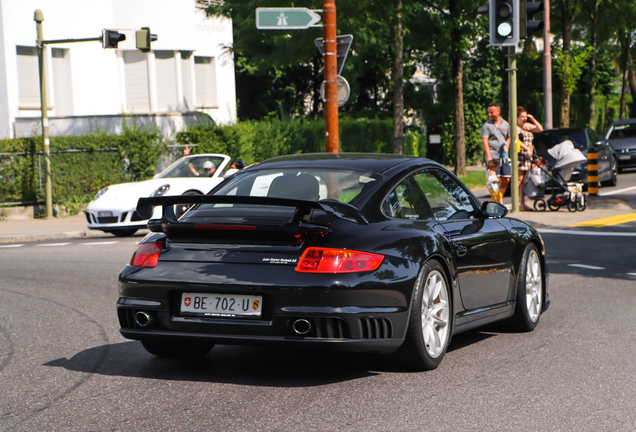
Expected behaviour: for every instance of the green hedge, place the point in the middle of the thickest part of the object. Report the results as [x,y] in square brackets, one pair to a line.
[258,140]
[76,177]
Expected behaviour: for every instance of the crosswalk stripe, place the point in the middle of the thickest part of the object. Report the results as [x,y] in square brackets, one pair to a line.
[99,243]
[587,266]
[53,244]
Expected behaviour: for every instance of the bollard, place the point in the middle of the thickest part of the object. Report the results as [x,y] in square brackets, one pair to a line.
[592,172]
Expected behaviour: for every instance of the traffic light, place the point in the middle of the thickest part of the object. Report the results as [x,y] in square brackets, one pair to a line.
[528,25]
[110,38]
[504,22]
[144,38]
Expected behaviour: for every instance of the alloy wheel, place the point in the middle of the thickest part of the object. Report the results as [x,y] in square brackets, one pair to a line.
[435,314]
[534,286]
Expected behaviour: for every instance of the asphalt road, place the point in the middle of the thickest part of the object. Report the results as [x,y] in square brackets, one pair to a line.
[64,366]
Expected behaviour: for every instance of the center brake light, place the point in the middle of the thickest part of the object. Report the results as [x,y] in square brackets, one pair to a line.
[146,255]
[327,260]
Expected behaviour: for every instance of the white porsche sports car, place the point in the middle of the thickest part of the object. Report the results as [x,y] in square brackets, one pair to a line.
[113,208]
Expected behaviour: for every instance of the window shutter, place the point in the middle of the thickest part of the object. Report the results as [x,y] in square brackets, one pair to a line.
[136,71]
[28,77]
[165,67]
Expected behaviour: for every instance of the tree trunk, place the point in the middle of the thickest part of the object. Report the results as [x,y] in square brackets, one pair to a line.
[594,17]
[631,77]
[457,66]
[567,21]
[398,85]
[626,43]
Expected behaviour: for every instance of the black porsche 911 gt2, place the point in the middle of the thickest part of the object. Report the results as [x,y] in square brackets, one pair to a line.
[360,252]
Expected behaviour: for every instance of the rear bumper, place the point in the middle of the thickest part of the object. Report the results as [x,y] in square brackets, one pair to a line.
[354,312]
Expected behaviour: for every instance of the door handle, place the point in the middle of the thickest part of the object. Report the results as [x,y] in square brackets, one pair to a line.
[461,249]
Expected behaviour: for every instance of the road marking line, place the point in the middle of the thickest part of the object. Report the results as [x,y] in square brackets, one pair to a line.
[617,191]
[12,246]
[99,243]
[632,274]
[587,266]
[588,233]
[54,244]
[607,221]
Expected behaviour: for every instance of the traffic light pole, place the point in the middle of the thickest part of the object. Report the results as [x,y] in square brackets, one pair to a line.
[41,45]
[331,75]
[39,18]
[514,155]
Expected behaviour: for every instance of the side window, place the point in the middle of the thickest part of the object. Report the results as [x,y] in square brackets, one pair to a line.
[446,197]
[406,202]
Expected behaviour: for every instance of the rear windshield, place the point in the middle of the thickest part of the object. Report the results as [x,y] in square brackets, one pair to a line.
[545,141]
[306,184]
[622,131]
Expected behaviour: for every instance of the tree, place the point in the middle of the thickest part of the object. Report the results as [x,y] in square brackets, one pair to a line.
[566,69]
[397,78]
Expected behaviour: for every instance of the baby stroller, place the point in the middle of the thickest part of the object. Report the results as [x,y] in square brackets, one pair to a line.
[554,176]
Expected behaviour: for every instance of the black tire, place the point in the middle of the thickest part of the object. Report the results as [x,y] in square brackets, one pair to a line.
[124,233]
[177,349]
[540,205]
[529,289]
[416,350]
[180,209]
[581,204]
[571,206]
[553,206]
[613,181]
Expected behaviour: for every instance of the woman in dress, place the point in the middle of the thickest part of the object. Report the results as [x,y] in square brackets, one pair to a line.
[527,124]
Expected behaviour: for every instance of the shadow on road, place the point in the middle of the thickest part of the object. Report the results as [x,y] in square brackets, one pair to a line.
[254,366]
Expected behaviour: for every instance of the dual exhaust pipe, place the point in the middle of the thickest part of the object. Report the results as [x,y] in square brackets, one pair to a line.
[300,326]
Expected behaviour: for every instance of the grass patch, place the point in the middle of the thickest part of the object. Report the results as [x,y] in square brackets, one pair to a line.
[474,179]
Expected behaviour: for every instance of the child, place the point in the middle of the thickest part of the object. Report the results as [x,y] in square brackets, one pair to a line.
[492,181]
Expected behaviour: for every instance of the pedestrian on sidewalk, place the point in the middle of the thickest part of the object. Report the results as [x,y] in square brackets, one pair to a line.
[527,125]
[495,135]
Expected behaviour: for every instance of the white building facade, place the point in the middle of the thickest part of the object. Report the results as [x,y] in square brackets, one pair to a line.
[188,69]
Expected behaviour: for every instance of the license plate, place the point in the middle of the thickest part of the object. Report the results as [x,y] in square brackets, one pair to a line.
[104,214]
[625,157]
[221,304]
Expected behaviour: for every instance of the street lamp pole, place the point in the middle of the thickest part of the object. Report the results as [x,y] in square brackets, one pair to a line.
[39,18]
[331,75]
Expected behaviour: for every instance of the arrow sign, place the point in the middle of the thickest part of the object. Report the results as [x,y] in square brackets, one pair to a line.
[285,18]
[343,43]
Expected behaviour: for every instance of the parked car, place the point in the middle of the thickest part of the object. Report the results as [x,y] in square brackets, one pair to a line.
[113,208]
[622,137]
[583,139]
[359,252]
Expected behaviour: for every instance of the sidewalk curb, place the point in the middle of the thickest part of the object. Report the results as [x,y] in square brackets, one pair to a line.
[59,236]
[49,236]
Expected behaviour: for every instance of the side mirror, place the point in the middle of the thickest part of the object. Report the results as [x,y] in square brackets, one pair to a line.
[493,210]
[598,143]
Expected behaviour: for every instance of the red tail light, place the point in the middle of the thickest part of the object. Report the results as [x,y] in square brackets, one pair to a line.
[324,260]
[146,255]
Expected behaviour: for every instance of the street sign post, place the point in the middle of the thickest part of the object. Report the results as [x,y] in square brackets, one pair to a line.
[285,18]
[303,18]
[343,43]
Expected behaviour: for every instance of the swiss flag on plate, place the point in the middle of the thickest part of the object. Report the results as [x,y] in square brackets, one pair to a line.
[187,301]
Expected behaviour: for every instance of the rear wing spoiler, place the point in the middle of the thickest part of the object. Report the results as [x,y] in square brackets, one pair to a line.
[302,213]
